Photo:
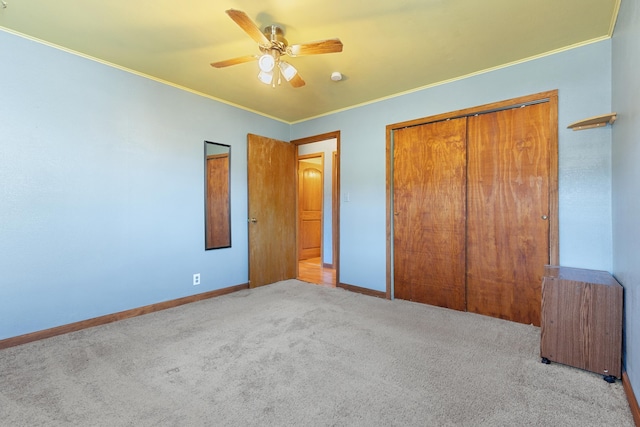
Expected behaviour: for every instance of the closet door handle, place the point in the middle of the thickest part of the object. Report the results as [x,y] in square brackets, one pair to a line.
[545,217]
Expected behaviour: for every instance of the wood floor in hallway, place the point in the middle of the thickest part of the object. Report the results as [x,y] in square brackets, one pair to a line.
[311,270]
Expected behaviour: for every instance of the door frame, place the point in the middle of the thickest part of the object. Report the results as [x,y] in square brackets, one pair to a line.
[548,96]
[335,195]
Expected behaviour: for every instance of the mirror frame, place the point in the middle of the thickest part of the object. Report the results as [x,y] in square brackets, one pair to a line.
[223,201]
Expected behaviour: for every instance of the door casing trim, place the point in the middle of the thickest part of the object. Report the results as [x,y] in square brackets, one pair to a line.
[335,194]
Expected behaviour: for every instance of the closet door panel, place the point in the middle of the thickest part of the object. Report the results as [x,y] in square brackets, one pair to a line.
[508,209]
[429,213]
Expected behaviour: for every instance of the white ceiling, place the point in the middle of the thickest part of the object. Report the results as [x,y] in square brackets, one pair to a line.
[390,46]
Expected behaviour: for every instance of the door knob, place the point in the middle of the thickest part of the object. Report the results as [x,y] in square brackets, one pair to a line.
[253,220]
[545,217]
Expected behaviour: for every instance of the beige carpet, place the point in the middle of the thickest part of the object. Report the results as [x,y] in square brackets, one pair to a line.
[301,355]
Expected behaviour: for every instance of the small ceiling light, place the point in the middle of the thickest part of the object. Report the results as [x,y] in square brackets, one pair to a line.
[266,63]
[265,77]
[288,70]
[336,76]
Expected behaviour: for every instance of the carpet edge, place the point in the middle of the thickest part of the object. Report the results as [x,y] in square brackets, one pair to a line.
[360,290]
[114,317]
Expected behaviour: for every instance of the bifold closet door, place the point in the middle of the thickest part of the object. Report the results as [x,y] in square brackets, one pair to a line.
[429,199]
[507,212]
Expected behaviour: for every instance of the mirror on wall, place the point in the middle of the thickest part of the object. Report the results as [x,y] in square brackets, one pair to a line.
[217,211]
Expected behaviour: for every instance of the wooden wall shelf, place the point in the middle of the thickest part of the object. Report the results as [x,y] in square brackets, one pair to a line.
[594,122]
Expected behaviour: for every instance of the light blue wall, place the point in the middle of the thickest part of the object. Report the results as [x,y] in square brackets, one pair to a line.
[102,179]
[583,77]
[626,176]
[102,189]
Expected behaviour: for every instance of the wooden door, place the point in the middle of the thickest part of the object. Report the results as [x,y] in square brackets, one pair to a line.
[310,192]
[429,213]
[272,210]
[217,221]
[507,212]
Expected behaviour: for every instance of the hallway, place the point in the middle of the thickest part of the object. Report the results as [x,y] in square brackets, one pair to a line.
[311,270]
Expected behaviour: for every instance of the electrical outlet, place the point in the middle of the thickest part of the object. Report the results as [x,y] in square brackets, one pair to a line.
[196,279]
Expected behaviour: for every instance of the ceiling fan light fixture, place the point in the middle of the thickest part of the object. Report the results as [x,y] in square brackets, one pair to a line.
[288,71]
[266,63]
[265,77]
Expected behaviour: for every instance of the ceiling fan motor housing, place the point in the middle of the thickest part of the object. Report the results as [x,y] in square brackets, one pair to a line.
[276,37]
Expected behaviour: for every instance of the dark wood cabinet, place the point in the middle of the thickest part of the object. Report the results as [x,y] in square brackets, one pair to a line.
[581,320]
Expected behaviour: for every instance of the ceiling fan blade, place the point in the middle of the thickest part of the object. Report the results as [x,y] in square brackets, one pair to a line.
[249,27]
[234,61]
[297,81]
[315,48]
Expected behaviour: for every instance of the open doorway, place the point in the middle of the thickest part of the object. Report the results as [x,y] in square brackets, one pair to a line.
[318,209]
[310,206]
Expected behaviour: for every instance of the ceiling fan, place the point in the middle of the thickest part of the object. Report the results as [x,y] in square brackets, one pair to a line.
[274,46]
